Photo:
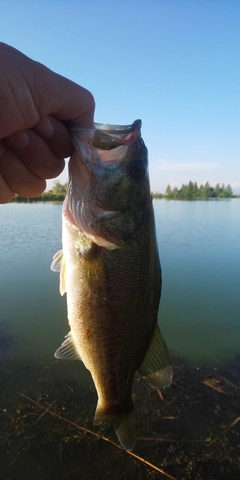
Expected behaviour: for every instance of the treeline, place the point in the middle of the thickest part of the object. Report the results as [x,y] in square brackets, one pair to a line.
[186,192]
[192,192]
[56,194]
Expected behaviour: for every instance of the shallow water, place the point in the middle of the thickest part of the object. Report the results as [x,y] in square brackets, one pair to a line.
[200,255]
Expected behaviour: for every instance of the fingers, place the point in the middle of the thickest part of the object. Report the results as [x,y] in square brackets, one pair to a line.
[81,108]
[55,135]
[68,100]
[16,177]
[6,194]
[35,154]
[34,104]
[29,91]
[28,157]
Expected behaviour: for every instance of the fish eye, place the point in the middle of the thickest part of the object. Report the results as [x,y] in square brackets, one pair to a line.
[137,170]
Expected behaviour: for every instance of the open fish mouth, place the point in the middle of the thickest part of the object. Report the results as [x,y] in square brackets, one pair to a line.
[107,161]
[122,129]
[104,139]
[109,137]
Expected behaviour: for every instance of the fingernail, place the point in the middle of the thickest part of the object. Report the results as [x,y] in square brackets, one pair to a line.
[19,139]
[45,127]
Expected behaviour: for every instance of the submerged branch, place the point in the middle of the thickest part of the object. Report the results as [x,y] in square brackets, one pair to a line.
[234,422]
[86,430]
[214,387]
[228,381]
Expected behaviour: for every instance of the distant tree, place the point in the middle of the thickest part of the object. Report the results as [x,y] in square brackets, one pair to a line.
[217,190]
[195,189]
[175,193]
[183,192]
[206,190]
[227,193]
[229,189]
[191,191]
[190,187]
[201,190]
[59,189]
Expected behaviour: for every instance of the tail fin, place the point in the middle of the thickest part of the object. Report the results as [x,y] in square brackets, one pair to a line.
[125,428]
[125,425]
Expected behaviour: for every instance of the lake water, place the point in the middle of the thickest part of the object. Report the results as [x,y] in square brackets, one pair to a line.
[200,255]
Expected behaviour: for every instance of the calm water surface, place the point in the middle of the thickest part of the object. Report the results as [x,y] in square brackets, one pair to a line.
[200,255]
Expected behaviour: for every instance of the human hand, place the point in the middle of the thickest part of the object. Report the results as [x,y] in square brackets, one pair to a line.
[34,103]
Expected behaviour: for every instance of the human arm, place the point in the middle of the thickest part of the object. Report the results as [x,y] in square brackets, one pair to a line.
[34,103]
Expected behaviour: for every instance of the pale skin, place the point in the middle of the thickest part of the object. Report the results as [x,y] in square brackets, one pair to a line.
[34,140]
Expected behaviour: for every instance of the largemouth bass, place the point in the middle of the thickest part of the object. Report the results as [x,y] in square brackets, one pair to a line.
[110,270]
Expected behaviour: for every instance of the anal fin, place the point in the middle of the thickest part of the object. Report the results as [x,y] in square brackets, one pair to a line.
[67,350]
[156,366]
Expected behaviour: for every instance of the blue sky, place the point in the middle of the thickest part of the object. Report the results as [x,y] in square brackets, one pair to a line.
[173,63]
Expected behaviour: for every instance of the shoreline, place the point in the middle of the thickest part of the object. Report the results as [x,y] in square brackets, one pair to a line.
[60,198]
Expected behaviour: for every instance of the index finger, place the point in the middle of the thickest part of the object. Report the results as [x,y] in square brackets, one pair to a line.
[29,91]
[74,103]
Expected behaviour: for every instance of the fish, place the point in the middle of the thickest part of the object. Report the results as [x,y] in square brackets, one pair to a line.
[110,271]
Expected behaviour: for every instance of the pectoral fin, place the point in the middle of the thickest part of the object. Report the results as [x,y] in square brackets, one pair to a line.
[156,365]
[57,261]
[59,265]
[67,350]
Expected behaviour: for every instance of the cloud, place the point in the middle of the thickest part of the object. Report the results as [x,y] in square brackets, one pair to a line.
[165,165]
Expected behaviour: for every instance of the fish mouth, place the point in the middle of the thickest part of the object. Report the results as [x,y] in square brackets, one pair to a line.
[109,137]
[105,138]
[99,151]
[119,129]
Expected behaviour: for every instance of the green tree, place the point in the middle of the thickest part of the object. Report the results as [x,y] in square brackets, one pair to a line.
[227,193]
[175,193]
[195,189]
[190,187]
[217,190]
[59,189]
[191,191]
